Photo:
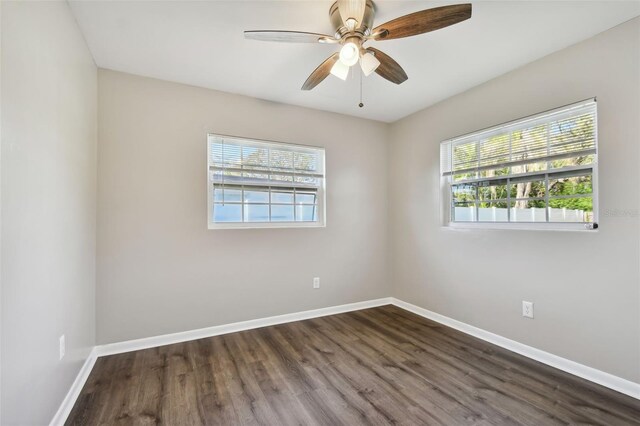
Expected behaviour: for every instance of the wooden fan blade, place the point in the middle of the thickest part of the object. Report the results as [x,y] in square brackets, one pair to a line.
[289,36]
[388,68]
[320,73]
[422,22]
[352,9]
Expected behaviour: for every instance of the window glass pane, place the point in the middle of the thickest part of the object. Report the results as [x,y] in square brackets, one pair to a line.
[227,176]
[463,193]
[227,212]
[527,189]
[528,168]
[281,178]
[494,172]
[256,196]
[492,192]
[571,210]
[570,185]
[227,195]
[256,213]
[308,180]
[305,198]
[282,197]
[305,213]
[281,213]
[492,212]
[487,204]
[528,211]
[465,176]
[253,178]
[464,212]
[569,162]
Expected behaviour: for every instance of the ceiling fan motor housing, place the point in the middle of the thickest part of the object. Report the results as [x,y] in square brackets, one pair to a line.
[363,28]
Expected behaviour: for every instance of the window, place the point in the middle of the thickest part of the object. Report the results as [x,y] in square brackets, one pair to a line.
[257,184]
[540,171]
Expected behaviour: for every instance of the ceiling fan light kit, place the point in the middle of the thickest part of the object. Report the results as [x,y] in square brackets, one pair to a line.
[352,21]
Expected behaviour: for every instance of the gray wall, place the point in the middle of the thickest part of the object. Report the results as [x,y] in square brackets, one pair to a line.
[585,285]
[160,270]
[49,136]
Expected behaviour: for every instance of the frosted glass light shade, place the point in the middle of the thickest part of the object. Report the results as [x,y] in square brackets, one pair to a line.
[340,70]
[349,54]
[369,63]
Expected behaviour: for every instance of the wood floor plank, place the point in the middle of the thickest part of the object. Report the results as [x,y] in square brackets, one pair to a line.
[564,391]
[456,367]
[453,398]
[377,366]
[395,381]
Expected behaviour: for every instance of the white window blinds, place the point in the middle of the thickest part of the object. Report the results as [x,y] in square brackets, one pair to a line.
[537,169]
[264,182]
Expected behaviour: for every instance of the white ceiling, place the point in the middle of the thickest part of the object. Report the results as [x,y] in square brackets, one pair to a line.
[201,43]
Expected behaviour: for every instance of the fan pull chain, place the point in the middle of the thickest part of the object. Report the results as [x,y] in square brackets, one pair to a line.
[360,104]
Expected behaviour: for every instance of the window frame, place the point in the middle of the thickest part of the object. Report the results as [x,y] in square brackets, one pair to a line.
[321,190]
[446,184]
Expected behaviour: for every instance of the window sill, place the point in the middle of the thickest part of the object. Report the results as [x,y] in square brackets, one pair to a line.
[526,226]
[266,225]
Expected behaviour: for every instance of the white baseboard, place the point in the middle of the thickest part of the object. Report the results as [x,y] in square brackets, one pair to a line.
[597,376]
[168,339]
[600,377]
[70,399]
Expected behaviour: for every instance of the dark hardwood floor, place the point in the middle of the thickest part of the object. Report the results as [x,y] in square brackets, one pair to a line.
[376,366]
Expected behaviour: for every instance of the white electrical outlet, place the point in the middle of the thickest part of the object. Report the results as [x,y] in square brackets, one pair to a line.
[527,309]
[316,282]
[63,345]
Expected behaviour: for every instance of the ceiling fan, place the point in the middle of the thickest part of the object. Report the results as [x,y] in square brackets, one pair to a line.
[353,24]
